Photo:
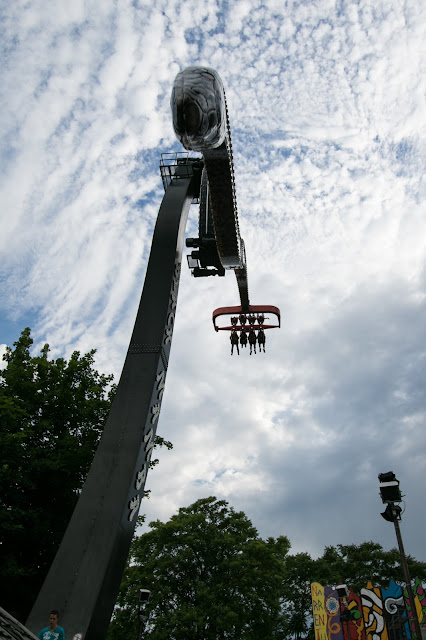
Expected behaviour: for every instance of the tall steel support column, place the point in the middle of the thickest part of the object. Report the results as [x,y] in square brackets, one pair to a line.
[413,620]
[84,579]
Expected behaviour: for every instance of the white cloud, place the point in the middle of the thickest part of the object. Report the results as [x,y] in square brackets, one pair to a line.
[328,118]
[3,364]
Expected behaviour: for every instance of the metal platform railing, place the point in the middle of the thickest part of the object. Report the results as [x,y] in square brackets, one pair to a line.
[175,165]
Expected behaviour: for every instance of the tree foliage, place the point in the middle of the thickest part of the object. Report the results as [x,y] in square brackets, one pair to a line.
[353,565]
[296,595]
[210,575]
[52,414]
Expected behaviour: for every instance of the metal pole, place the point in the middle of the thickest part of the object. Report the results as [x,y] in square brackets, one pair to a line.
[407,579]
[142,620]
[85,576]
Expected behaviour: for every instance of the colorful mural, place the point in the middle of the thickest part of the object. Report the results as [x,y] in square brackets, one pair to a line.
[395,612]
[332,609]
[420,600]
[372,606]
[318,611]
[420,604]
[356,626]
[375,614]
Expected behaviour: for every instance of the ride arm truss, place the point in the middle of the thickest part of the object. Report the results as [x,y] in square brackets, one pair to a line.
[201,123]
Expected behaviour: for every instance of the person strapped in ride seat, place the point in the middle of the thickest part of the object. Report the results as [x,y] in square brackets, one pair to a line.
[261,338]
[252,340]
[234,341]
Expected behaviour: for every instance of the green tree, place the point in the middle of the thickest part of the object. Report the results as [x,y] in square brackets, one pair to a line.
[210,577]
[296,594]
[355,565]
[52,414]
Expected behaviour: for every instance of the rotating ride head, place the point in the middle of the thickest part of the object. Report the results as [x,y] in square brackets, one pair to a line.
[200,121]
[199,108]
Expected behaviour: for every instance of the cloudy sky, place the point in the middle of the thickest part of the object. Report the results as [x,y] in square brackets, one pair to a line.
[327,107]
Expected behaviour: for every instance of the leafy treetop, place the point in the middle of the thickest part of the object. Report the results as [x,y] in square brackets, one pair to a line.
[52,415]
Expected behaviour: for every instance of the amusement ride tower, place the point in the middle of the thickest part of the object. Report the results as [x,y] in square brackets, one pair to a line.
[85,576]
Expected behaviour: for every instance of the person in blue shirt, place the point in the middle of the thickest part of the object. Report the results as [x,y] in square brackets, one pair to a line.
[53,631]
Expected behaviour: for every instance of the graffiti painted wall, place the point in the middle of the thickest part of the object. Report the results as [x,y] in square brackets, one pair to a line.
[375,614]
